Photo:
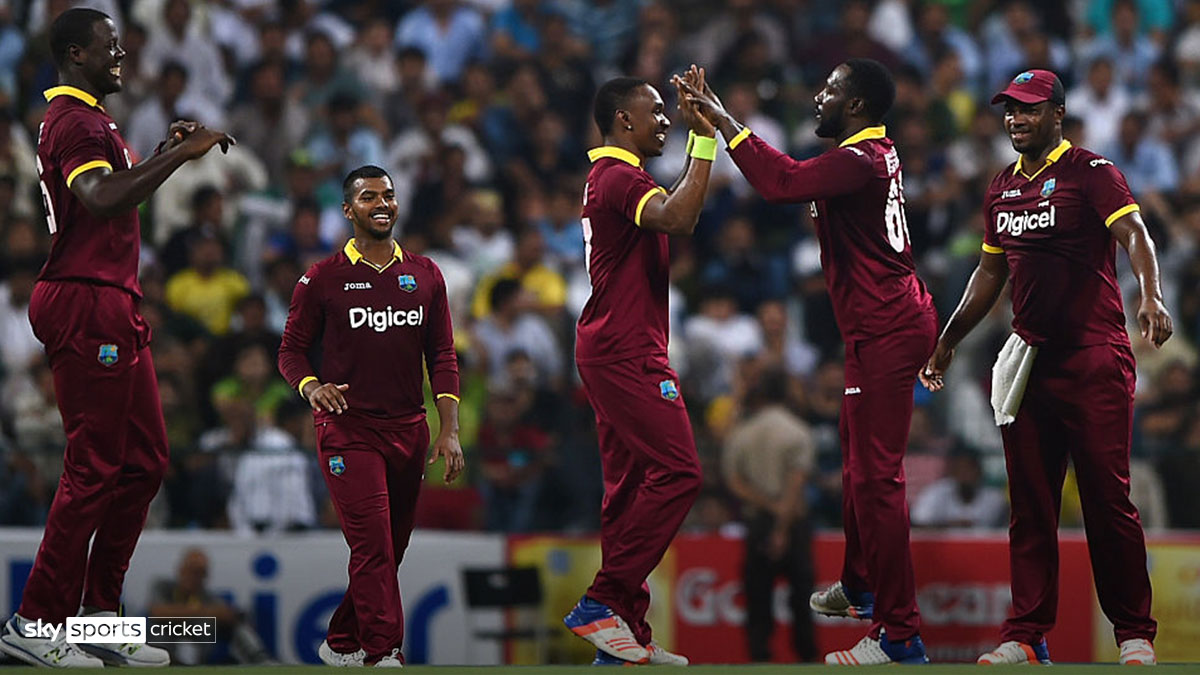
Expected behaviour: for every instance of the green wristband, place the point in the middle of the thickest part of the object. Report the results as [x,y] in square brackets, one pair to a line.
[704,147]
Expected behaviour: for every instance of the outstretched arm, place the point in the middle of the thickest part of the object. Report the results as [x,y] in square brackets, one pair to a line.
[1153,317]
[775,175]
[982,291]
[105,192]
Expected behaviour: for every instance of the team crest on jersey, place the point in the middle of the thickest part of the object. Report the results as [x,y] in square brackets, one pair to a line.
[108,355]
[1048,187]
[668,390]
[1023,78]
[337,465]
[408,283]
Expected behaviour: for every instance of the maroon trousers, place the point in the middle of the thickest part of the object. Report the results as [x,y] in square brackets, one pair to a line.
[1078,404]
[374,476]
[875,417]
[97,344]
[651,477]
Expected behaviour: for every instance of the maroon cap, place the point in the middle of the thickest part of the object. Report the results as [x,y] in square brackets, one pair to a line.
[1033,86]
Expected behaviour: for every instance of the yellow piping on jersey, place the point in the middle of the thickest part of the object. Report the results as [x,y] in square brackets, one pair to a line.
[73,92]
[87,166]
[596,154]
[988,248]
[742,135]
[1124,210]
[355,255]
[451,396]
[1050,159]
[300,387]
[637,215]
[865,135]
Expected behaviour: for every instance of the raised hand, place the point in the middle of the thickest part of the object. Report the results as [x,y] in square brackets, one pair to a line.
[202,139]
[179,130]
[697,122]
[695,90]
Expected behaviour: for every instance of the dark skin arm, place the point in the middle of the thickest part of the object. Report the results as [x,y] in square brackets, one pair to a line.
[982,291]
[447,446]
[679,212]
[1153,317]
[107,193]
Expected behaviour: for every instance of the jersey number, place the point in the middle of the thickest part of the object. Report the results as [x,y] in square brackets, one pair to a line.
[51,221]
[587,236]
[893,215]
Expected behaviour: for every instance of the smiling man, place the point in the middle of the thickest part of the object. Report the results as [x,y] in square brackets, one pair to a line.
[375,313]
[1052,222]
[887,320]
[651,469]
[84,309]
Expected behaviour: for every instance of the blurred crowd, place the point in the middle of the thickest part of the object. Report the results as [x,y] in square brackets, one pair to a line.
[481,112]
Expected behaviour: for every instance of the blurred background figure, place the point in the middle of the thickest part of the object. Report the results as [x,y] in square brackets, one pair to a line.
[767,463]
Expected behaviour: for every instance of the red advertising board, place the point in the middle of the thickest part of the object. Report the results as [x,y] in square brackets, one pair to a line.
[962,590]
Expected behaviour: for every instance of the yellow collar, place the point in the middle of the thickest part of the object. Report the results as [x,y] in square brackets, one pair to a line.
[596,154]
[73,92]
[1050,159]
[355,255]
[865,135]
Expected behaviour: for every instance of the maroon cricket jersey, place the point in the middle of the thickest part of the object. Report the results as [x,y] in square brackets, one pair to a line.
[856,195]
[372,327]
[629,268]
[1052,227]
[76,136]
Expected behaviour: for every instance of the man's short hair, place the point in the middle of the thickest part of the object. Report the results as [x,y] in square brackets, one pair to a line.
[368,171]
[73,27]
[610,98]
[871,81]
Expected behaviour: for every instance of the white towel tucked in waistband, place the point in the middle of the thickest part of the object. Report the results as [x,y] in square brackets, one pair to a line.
[1010,374]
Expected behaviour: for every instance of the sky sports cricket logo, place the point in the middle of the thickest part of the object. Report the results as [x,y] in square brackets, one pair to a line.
[127,629]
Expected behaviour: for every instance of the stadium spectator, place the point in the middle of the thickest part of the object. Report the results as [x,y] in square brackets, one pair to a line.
[513,326]
[1100,103]
[960,499]
[206,289]
[187,594]
[450,33]
[767,463]
[513,455]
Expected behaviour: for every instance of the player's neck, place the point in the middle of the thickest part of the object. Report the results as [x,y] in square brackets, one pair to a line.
[627,145]
[1034,159]
[77,81]
[853,127]
[378,252]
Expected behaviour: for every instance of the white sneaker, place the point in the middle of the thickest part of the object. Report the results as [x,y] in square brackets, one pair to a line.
[836,601]
[1016,654]
[1137,652]
[662,657]
[390,661]
[127,654]
[44,651]
[866,653]
[339,659]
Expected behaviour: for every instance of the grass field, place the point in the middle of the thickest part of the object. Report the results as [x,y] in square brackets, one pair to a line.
[938,669]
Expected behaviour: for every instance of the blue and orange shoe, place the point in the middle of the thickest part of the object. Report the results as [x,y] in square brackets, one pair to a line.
[599,625]
[604,659]
[1017,653]
[877,652]
[837,600]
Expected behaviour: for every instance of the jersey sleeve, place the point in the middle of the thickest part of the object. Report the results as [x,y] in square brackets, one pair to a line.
[991,240]
[626,190]
[1106,190]
[80,144]
[440,358]
[304,323]
[781,179]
